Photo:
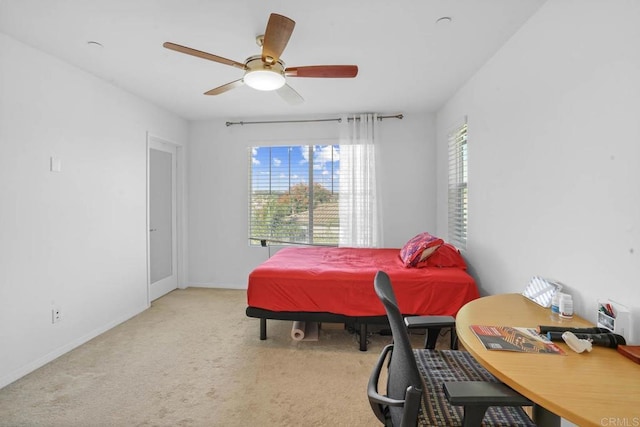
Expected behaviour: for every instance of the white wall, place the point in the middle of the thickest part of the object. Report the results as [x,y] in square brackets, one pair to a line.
[74,239]
[554,152]
[219,252]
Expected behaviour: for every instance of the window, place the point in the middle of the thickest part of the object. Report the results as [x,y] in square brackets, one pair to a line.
[294,194]
[458,193]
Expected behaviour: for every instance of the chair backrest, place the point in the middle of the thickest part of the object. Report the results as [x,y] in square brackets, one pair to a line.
[403,369]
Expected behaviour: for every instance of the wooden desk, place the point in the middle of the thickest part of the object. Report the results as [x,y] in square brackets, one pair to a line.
[600,388]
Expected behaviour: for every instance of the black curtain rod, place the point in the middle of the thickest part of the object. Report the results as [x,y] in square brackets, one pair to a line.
[339,120]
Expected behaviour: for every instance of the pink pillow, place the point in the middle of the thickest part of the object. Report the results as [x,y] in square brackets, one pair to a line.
[446,256]
[419,248]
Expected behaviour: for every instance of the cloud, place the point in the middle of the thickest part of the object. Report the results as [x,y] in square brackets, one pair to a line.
[326,153]
[322,154]
[304,151]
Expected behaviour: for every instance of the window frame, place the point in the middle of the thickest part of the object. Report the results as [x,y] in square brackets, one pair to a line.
[312,237]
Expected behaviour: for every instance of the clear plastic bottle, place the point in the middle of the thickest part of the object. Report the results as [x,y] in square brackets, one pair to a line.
[566,306]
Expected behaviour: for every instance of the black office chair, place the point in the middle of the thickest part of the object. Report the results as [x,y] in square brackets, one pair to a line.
[437,387]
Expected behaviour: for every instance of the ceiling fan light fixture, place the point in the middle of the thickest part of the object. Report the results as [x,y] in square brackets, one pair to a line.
[266,71]
[264,79]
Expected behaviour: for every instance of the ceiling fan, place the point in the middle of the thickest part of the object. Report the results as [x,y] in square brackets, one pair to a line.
[267,71]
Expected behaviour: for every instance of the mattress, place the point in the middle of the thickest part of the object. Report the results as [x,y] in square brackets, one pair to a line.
[340,281]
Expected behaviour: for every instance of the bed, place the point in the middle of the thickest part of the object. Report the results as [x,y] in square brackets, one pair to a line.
[335,284]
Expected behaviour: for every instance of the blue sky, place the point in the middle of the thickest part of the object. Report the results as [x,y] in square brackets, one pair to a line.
[289,165]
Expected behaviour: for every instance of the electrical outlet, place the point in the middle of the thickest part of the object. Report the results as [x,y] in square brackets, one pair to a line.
[56,315]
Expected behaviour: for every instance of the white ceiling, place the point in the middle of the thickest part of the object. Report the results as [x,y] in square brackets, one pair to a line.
[407,62]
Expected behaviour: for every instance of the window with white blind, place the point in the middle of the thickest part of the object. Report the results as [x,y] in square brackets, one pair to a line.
[294,194]
[458,194]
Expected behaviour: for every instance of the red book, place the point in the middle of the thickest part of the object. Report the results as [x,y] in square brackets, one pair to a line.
[630,351]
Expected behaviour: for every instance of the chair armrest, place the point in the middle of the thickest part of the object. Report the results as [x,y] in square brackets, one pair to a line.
[372,387]
[378,402]
[461,393]
[422,322]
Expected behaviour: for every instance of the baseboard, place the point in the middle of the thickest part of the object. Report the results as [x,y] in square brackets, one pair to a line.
[51,356]
[216,285]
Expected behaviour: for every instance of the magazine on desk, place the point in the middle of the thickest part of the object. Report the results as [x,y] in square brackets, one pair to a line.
[510,338]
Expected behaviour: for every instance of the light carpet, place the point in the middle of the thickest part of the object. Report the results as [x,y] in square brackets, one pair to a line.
[195,359]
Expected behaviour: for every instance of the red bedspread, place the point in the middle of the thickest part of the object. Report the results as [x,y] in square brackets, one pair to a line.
[340,281]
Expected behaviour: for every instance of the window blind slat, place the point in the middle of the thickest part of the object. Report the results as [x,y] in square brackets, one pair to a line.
[457,193]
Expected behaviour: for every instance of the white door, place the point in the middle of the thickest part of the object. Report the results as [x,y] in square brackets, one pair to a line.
[163,274]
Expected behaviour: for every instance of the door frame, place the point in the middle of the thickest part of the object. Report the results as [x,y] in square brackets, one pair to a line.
[180,205]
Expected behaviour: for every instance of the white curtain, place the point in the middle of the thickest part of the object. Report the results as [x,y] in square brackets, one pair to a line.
[360,225]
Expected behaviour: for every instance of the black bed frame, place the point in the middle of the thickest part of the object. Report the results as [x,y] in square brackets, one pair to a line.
[359,322]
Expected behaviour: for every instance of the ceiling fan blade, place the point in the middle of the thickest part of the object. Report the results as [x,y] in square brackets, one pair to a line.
[204,55]
[330,71]
[289,94]
[224,88]
[276,37]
